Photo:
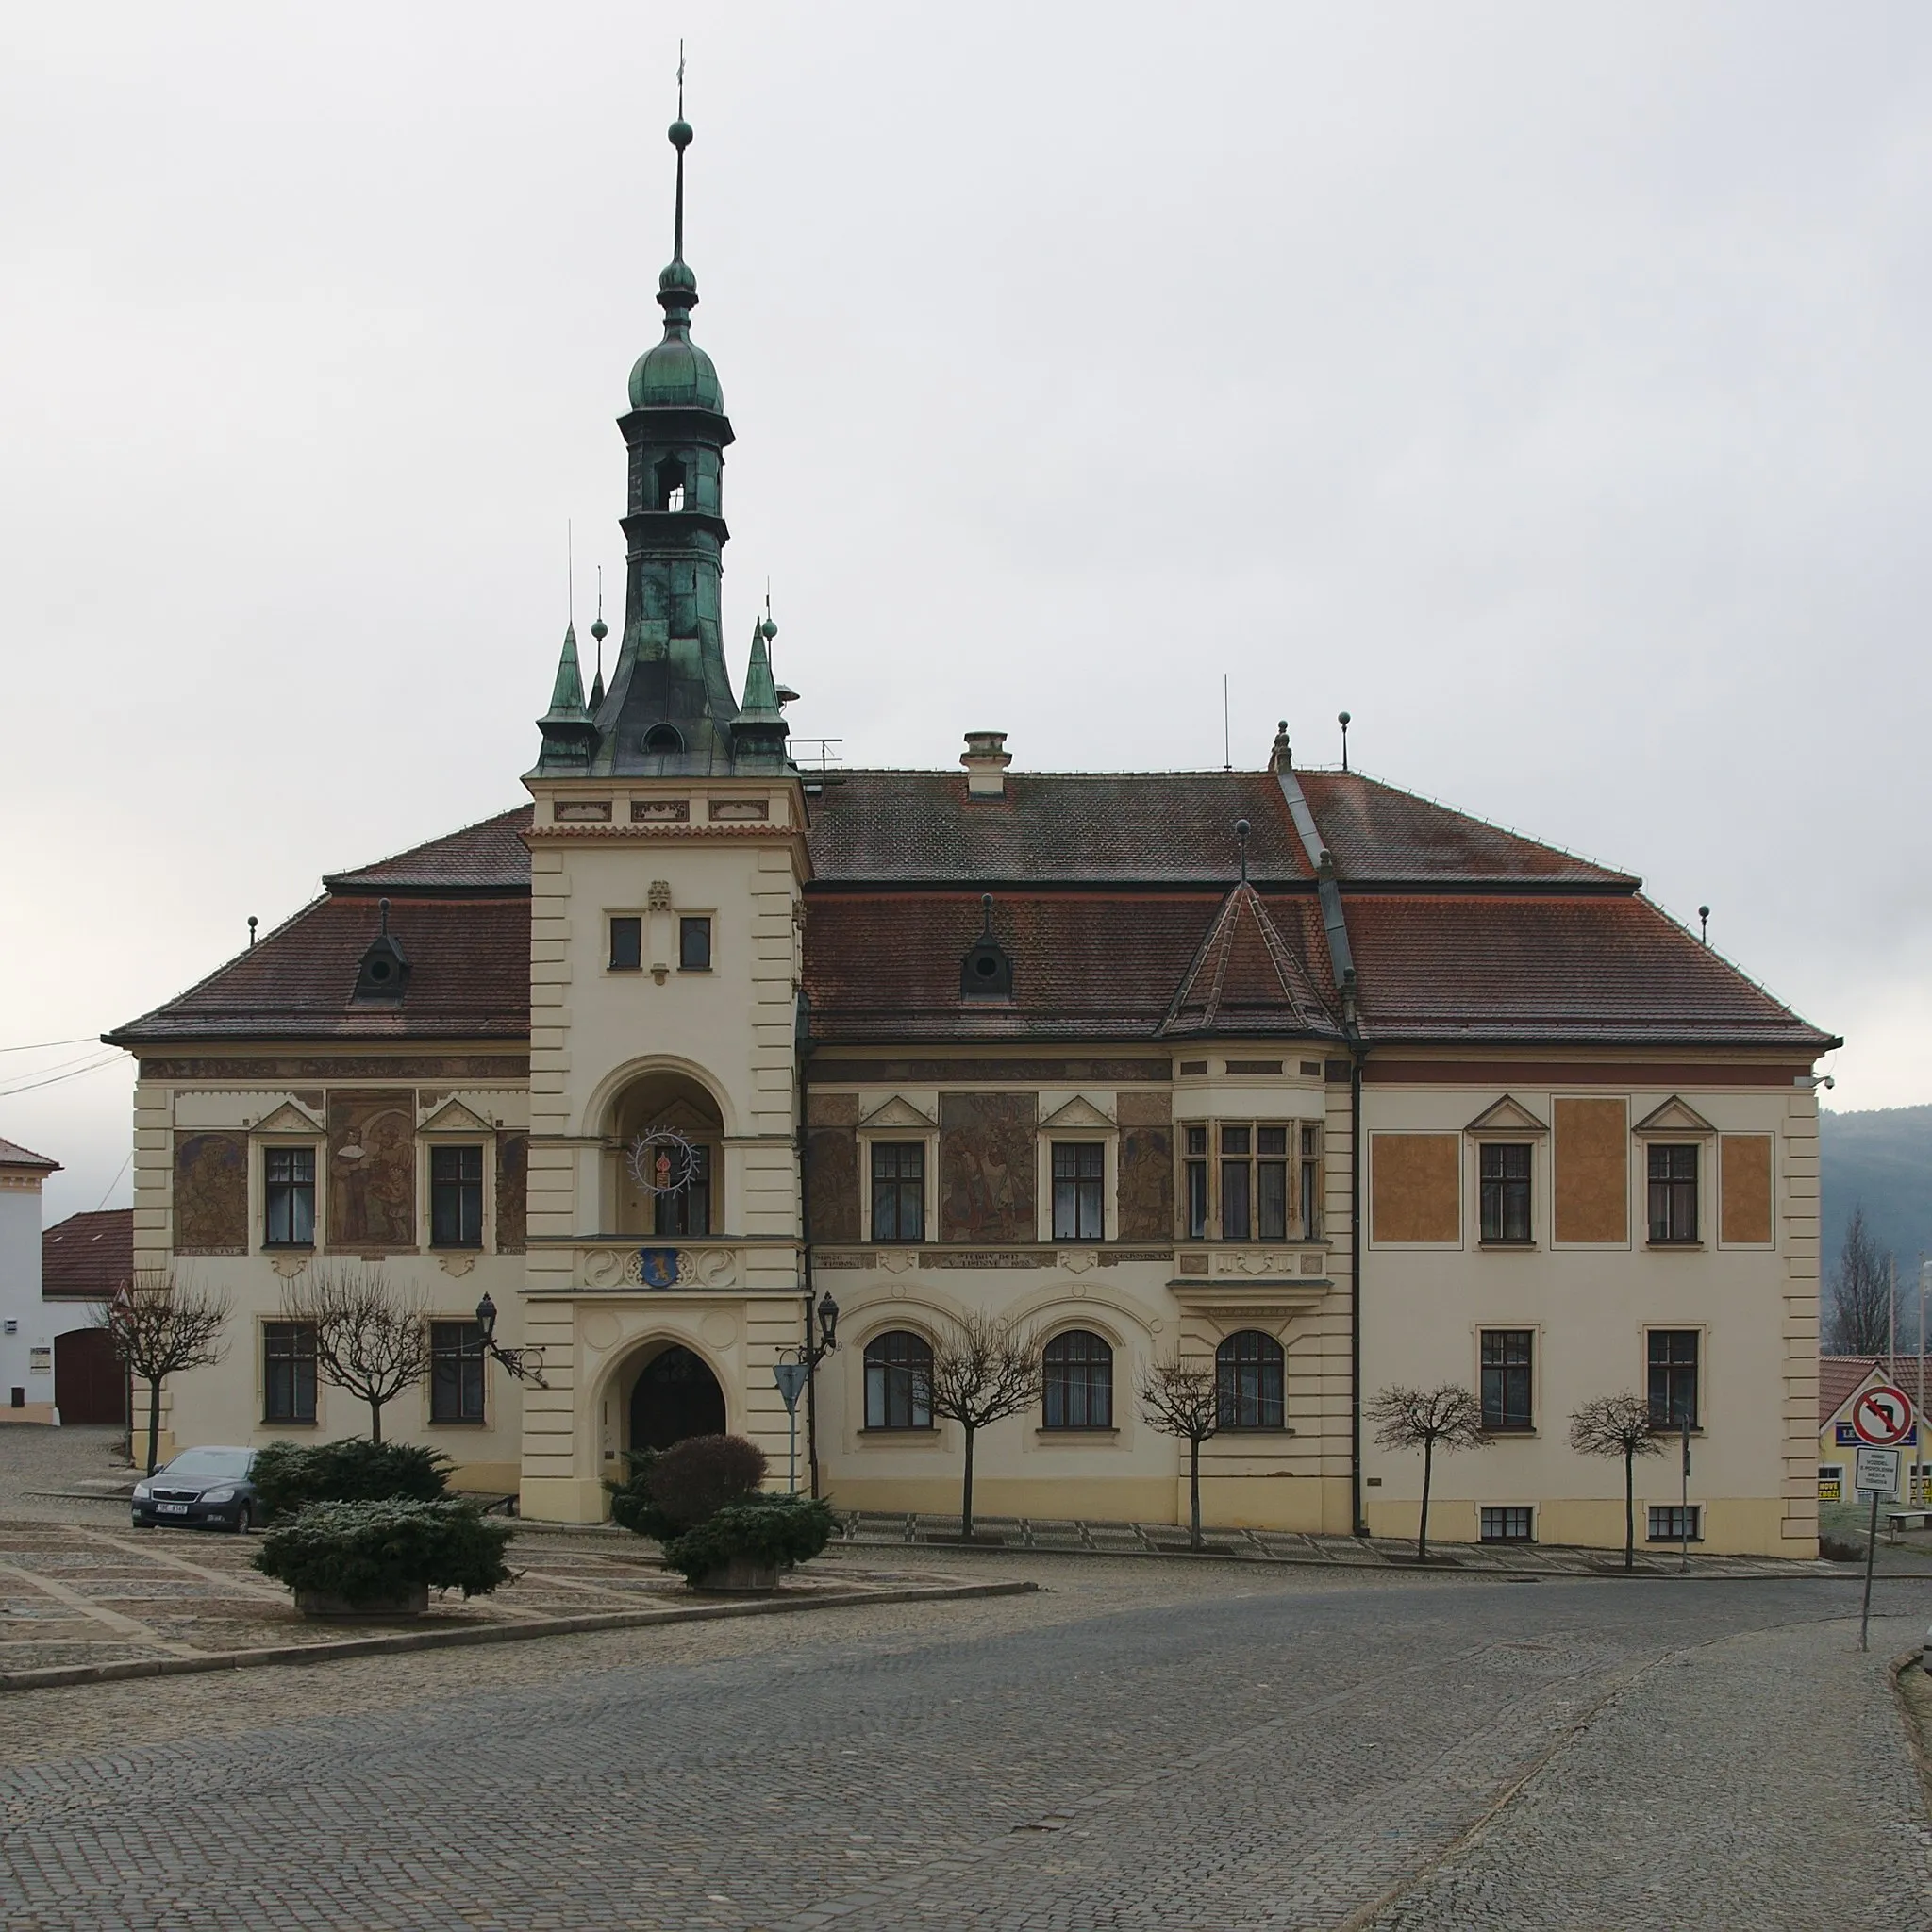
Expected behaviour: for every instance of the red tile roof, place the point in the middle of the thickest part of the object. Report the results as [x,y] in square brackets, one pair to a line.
[469,979]
[883,828]
[1499,967]
[13,1155]
[489,857]
[1247,979]
[1379,834]
[1839,1375]
[86,1256]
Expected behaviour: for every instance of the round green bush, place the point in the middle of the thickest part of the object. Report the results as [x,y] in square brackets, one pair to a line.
[769,1529]
[670,1491]
[289,1477]
[363,1552]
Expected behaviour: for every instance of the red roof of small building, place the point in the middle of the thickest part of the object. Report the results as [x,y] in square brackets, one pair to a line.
[1839,1376]
[86,1256]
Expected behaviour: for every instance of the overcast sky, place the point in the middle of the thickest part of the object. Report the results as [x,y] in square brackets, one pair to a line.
[1548,386]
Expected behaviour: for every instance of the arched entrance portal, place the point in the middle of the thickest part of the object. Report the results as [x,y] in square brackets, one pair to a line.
[676,1396]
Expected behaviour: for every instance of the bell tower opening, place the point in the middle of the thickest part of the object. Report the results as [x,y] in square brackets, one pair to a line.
[671,482]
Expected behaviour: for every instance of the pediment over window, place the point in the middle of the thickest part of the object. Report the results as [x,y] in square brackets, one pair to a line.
[288,1119]
[1508,1116]
[1675,1116]
[1079,1115]
[898,1112]
[453,1117]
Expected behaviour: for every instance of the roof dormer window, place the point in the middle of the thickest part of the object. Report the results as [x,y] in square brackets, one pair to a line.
[987,971]
[384,973]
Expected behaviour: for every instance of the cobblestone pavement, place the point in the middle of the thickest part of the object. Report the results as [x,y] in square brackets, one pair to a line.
[35,1459]
[87,1595]
[1141,1745]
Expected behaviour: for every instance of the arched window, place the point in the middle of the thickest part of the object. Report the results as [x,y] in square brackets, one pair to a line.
[1248,1370]
[665,739]
[898,1381]
[671,481]
[1079,1382]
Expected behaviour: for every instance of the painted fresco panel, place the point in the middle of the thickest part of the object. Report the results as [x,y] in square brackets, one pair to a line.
[1745,1183]
[986,1167]
[1147,1184]
[371,1169]
[1593,1187]
[1415,1182]
[832,1157]
[211,1194]
[513,1191]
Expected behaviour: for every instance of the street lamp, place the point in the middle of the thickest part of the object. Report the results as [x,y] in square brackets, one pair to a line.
[794,1369]
[525,1364]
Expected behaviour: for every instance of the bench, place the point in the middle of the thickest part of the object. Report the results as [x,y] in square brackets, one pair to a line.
[1897,1520]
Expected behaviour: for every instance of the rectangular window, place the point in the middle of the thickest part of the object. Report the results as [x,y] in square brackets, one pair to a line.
[1197,1184]
[1672,1193]
[456,1197]
[287,1372]
[1237,1184]
[456,1371]
[1505,1169]
[1673,1362]
[288,1192]
[1270,1183]
[1671,1522]
[688,1210]
[694,945]
[1311,1186]
[898,1191]
[1507,1525]
[627,943]
[1078,1171]
[1506,1378]
[1831,1482]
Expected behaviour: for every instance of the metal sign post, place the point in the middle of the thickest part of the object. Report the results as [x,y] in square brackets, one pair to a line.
[1684,1513]
[1878,1476]
[790,1377]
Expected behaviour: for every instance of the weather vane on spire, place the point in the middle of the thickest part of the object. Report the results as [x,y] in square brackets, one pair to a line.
[680,139]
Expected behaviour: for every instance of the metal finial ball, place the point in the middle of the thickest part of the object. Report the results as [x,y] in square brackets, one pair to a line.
[1241,829]
[1281,724]
[600,630]
[679,135]
[1342,717]
[768,630]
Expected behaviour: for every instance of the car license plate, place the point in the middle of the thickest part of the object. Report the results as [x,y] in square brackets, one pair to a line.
[171,1509]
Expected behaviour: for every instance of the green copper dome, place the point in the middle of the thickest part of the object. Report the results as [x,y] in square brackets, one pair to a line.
[675,374]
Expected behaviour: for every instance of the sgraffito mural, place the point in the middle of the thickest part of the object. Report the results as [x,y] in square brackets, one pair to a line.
[211,1194]
[986,1167]
[1147,1184]
[513,1191]
[371,1170]
[833,1157]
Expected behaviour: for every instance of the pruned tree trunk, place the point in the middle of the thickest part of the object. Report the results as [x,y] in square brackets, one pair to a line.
[1630,1509]
[1194,1493]
[966,1494]
[375,1420]
[154,1423]
[1422,1534]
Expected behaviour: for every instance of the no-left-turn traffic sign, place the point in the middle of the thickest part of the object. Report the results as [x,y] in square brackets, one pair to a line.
[1882,1416]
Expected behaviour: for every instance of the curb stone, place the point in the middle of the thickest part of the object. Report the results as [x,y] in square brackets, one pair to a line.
[404,1641]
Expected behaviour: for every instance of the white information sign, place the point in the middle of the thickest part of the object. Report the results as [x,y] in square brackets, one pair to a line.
[1877,1472]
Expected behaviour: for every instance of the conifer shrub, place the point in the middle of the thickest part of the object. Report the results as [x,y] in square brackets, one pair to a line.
[771,1531]
[673,1490]
[374,1551]
[289,1477]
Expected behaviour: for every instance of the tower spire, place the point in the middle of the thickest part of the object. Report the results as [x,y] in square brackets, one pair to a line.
[680,139]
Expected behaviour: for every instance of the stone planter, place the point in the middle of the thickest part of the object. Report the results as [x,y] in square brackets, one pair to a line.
[741,1572]
[409,1603]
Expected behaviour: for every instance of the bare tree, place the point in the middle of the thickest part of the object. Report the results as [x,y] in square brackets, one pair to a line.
[983,1370]
[372,1339]
[157,1327]
[1859,1321]
[1618,1425]
[1447,1417]
[1182,1399]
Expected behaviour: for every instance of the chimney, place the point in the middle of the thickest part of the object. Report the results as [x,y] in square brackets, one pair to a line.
[986,759]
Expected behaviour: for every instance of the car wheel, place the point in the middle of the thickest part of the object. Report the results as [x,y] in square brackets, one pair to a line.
[142,1522]
[242,1521]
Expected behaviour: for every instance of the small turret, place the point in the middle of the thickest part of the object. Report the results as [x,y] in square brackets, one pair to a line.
[760,730]
[568,733]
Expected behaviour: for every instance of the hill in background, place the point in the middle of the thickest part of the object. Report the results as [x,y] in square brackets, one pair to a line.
[1883,1158]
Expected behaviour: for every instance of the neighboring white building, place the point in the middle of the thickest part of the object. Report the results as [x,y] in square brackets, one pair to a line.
[27,1327]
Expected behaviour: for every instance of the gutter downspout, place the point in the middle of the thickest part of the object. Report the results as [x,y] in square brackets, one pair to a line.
[1342,964]
[801,1044]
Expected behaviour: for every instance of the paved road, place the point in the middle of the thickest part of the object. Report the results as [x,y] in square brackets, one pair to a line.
[1143,1746]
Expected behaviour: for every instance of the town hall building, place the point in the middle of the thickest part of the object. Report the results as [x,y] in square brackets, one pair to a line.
[1281,1072]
